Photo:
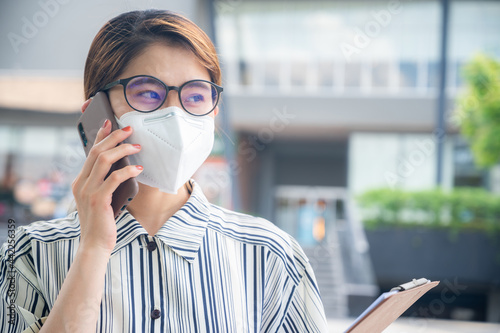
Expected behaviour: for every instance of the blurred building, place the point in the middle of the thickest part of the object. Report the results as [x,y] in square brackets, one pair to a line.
[344,93]
[329,99]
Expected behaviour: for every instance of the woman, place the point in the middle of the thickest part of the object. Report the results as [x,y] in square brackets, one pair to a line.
[172,262]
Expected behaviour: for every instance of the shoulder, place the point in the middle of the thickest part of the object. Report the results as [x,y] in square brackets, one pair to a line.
[54,230]
[20,239]
[45,232]
[259,232]
[30,245]
[245,227]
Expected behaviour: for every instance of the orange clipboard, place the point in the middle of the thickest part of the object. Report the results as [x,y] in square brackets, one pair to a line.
[390,305]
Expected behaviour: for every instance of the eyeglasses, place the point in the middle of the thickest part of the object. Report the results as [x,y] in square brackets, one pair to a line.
[145,93]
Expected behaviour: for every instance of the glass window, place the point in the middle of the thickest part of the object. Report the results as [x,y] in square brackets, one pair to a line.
[433,74]
[408,74]
[272,73]
[457,68]
[298,73]
[351,33]
[244,73]
[325,73]
[466,173]
[352,75]
[474,28]
[380,74]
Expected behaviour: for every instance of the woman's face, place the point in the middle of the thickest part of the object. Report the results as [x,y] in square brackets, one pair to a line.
[173,65]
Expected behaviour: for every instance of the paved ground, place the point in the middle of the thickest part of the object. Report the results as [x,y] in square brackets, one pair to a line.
[406,325]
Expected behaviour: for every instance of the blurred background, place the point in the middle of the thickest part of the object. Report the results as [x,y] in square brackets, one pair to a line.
[365,129]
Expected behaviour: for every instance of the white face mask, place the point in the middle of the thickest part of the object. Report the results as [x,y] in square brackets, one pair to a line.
[174,144]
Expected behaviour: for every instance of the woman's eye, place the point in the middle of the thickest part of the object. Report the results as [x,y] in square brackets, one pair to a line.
[150,94]
[195,99]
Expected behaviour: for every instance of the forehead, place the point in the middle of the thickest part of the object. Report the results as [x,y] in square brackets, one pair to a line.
[172,64]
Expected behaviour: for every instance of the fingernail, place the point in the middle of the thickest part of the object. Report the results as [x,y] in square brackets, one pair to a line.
[136,146]
[139,167]
[127,129]
[105,123]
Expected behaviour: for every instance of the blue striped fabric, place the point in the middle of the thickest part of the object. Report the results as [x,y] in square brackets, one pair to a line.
[212,270]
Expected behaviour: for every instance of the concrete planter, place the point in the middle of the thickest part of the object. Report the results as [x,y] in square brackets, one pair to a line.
[400,254]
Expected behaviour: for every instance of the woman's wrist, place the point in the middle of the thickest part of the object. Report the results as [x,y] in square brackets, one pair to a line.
[93,251]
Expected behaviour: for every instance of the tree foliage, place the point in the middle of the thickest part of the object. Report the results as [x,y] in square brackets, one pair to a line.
[479,109]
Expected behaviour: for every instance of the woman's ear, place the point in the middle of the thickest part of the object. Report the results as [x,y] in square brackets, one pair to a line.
[216,111]
[85,104]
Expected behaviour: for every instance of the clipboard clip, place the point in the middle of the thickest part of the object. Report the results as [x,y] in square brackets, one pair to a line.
[410,285]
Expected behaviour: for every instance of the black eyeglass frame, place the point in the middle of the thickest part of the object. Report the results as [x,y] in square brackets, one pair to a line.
[125,82]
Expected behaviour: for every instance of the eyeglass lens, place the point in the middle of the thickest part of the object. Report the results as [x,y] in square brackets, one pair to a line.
[148,94]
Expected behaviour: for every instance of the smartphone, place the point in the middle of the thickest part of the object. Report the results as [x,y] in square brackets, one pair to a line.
[88,125]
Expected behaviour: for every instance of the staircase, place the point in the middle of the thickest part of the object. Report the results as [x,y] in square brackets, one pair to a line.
[327,265]
[341,262]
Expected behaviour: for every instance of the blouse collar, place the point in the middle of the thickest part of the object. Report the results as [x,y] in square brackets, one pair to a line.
[183,232]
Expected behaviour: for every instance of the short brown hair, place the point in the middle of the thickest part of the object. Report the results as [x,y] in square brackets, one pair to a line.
[124,37]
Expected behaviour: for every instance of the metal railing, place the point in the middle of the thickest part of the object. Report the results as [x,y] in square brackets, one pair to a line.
[367,78]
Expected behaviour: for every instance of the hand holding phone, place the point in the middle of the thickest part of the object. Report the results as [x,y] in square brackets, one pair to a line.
[88,125]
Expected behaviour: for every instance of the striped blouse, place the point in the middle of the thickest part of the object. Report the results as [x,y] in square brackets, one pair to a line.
[207,269]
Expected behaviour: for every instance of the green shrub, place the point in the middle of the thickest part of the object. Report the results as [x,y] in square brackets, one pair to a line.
[461,208]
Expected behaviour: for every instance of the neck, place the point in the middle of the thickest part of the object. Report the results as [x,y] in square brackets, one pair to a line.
[152,208]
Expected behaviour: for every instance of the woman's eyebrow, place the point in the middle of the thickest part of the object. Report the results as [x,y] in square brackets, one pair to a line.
[200,84]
